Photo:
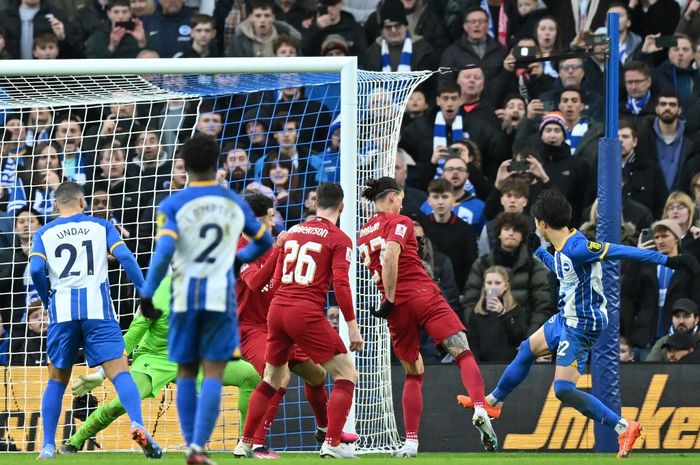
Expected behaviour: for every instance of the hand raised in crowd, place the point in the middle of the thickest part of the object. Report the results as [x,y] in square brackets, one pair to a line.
[439,152]
[649,45]
[57,27]
[138,33]
[536,169]
[115,38]
[323,21]
[494,305]
[535,108]
[649,245]
[693,7]
[502,174]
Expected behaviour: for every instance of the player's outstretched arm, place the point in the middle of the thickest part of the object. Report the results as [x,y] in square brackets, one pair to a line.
[37,270]
[624,252]
[158,268]
[130,265]
[546,258]
[342,258]
[262,241]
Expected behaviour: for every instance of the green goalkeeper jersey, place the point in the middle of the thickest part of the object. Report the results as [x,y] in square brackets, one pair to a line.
[151,336]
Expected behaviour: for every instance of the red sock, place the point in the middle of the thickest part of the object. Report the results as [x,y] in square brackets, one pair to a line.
[260,436]
[471,377]
[318,399]
[338,408]
[412,405]
[259,401]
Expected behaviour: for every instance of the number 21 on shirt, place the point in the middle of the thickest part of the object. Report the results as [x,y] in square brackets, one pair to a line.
[298,266]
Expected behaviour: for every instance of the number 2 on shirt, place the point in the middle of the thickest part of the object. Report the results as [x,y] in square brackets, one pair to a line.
[305,269]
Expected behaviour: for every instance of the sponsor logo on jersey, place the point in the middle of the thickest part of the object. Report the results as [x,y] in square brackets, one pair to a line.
[401,230]
[348,254]
[160,220]
[594,246]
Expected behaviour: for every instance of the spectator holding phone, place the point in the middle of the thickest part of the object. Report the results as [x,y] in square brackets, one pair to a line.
[652,289]
[123,37]
[496,323]
[23,20]
[331,19]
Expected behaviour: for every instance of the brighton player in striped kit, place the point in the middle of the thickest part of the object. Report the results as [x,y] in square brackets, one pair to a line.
[582,316]
[198,229]
[73,249]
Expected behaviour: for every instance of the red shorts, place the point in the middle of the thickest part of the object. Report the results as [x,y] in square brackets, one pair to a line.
[425,310]
[254,344]
[306,326]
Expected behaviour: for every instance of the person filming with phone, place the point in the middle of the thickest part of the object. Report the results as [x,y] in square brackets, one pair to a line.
[123,37]
[497,323]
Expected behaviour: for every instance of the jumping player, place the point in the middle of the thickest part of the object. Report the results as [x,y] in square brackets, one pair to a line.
[254,293]
[198,229]
[582,316]
[313,254]
[74,249]
[413,302]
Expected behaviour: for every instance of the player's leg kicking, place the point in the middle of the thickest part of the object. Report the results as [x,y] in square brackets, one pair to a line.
[571,348]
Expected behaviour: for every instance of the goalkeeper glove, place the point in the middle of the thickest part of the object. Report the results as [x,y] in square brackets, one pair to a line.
[87,383]
[148,310]
[384,309]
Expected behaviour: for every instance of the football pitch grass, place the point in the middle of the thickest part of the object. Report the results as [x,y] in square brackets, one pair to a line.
[505,458]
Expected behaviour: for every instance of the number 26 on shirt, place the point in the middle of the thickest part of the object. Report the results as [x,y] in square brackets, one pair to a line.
[299,267]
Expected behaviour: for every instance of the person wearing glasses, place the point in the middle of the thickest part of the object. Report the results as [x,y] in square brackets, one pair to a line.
[572,74]
[475,46]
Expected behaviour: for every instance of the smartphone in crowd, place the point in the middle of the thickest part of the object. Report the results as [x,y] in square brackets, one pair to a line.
[128,25]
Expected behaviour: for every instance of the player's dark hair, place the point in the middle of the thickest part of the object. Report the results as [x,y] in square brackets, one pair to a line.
[259,203]
[201,153]
[377,189]
[440,186]
[552,207]
[517,221]
[68,192]
[329,195]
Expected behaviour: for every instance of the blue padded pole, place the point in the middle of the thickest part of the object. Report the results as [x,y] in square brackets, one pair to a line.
[605,366]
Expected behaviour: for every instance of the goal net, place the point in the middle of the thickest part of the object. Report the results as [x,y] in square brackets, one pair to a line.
[115,129]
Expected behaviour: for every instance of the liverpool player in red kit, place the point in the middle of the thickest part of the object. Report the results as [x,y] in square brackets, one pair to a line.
[313,254]
[254,293]
[412,302]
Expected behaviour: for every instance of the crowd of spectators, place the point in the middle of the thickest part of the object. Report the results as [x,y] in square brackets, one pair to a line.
[521,111]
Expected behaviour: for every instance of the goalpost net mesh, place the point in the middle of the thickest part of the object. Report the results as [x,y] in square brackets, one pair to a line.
[118,137]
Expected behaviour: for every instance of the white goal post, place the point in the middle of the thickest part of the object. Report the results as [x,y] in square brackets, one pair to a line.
[370,110]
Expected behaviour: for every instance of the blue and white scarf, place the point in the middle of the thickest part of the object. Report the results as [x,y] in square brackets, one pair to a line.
[404,60]
[573,137]
[635,106]
[440,136]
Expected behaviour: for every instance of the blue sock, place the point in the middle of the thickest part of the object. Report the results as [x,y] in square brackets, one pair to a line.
[207,411]
[129,396]
[187,406]
[585,403]
[516,372]
[51,409]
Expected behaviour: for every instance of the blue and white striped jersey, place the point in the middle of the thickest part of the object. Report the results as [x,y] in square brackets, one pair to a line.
[206,221]
[577,265]
[75,250]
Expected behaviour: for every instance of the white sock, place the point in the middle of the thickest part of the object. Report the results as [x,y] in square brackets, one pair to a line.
[412,442]
[493,402]
[194,449]
[480,411]
[621,426]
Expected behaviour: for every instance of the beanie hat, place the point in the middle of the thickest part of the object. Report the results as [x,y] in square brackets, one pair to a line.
[554,117]
[392,11]
[335,42]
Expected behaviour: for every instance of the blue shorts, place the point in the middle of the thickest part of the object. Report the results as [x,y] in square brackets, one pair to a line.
[571,346]
[202,335]
[101,341]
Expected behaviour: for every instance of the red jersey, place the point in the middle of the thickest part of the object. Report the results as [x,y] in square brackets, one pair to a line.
[315,253]
[384,227]
[254,286]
